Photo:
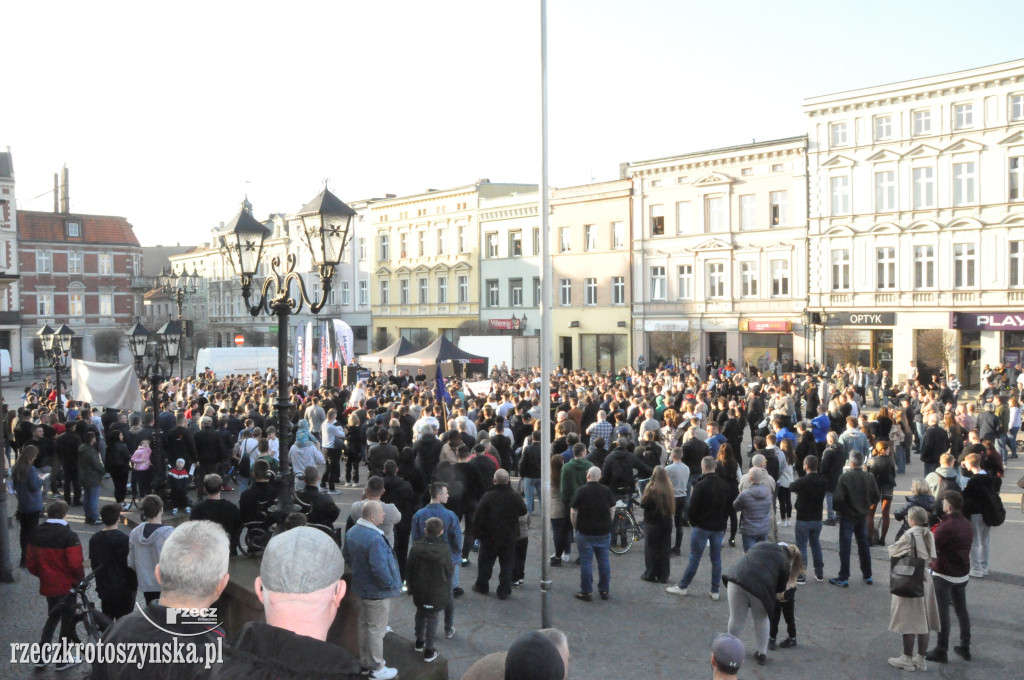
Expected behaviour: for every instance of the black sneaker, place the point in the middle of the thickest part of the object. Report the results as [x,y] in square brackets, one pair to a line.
[762,659]
[938,655]
[449,633]
[771,643]
[458,592]
[801,579]
[963,651]
[420,646]
[585,597]
[676,552]
[787,643]
[430,655]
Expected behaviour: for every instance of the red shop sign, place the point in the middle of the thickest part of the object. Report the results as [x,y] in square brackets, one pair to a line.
[768,326]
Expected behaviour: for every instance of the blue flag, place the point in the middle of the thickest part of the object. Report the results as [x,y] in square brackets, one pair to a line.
[440,389]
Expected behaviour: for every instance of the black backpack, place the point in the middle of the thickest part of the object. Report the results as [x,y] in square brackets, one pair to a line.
[993,514]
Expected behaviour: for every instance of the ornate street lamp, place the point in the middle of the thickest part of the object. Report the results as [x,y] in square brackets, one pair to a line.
[326,224]
[57,348]
[179,287]
[166,346]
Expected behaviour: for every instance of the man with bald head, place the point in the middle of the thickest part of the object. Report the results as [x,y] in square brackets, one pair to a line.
[591,516]
[496,525]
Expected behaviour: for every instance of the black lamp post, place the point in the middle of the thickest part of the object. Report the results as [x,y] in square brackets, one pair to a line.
[57,345]
[325,230]
[167,342]
[179,287]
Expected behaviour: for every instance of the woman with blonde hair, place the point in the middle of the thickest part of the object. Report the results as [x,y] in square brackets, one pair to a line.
[914,617]
[659,505]
[883,469]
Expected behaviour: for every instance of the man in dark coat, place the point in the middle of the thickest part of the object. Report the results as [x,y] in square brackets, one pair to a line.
[210,453]
[953,537]
[617,471]
[933,445]
[429,578]
[497,526]
[428,452]
[833,459]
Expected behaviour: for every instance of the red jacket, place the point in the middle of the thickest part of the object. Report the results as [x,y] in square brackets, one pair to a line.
[953,537]
[55,557]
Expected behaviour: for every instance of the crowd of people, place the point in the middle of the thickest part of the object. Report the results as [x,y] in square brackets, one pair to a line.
[449,473]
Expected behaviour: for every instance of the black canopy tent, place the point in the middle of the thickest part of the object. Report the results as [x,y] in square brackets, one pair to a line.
[388,358]
[444,350]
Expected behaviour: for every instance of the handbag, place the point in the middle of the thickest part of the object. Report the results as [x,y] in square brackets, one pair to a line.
[906,576]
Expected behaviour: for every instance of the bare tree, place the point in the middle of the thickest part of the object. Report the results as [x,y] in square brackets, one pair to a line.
[675,345]
[842,345]
[475,327]
[420,338]
[936,348]
[108,345]
[609,348]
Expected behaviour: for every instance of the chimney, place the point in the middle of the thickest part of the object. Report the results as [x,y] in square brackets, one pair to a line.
[65,197]
[56,193]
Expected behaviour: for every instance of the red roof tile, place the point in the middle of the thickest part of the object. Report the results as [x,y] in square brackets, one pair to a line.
[49,227]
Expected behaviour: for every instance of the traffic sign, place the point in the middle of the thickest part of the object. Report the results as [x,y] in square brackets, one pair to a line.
[239,339]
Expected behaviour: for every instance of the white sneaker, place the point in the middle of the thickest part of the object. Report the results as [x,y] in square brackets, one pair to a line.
[976,573]
[920,663]
[903,661]
[385,673]
[675,590]
[715,597]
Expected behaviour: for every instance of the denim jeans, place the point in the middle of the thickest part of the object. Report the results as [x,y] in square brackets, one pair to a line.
[945,592]
[590,547]
[750,541]
[91,502]
[980,544]
[874,394]
[809,530]
[919,430]
[830,512]
[1012,436]
[1003,446]
[698,539]
[532,486]
[848,528]
[901,459]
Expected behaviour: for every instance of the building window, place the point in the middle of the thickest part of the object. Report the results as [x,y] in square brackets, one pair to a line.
[657,220]
[840,195]
[74,229]
[74,262]
[515,244]
[403,292]
[491,241]
[463,283]
[442,290]
[403,244]
[589,237]
[716,279]
[683,218]
[1016,177]
[564,240]
[76,304]
[106,304]
[841,269]
[618,290]
[384,290]
[963,183]
[1017,107]
[778,167]
[780,278]
[748,279]
[424,294]
[684,272]
[346,293]
[963,116]
[462,239]
[886,260]
[924,267]
[106,264]
[43,262]
[922,122]
[515,292]
[442,239]
[924,188]
[714,214]
[362,248]
[885,191]
[963,265]
[364,293]
[590,292]
[748,211]
[385,248]
[883,127]
[747,172]
[44,304]
[838,134]
[658,291]
[777,208]
[536,240]
[492,292]
[536,291]
[618,235]
[1017,264]
[564,292]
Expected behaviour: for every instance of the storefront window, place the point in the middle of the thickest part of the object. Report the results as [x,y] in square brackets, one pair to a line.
[970,359]
[1013,347]
[847,346]
[883,350]
[603,353]
[763,350]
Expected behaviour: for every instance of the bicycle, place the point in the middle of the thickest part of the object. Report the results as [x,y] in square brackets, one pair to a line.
[626,530]
[89,622]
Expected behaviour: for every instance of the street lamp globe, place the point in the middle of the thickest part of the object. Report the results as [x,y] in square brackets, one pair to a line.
[161,279]
[45,335]
[138,338]
[243,238]
[326,221]
[170,336]
[64,336]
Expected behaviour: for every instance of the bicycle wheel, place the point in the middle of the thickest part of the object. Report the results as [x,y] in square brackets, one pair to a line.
[624,531]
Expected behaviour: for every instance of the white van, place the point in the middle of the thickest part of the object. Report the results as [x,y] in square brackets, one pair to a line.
[223,361]
[6,370]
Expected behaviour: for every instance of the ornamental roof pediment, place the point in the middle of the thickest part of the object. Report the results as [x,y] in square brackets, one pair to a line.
[462,266]
[924,225]
[885,228]
[422,269]
[965,223]
[780,245]
[1015,138]
[383,271]
[841,230]
[403,270]
[748,249]
[964,145]
[838,161]
[441,267]
[922,150]
[884,155]
[712,178]
[713,244]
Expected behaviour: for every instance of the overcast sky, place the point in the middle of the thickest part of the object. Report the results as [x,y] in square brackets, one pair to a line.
[168,113]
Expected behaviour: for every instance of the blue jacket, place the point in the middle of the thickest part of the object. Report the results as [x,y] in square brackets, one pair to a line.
[714,442]
[820,427]
[452,530]
[374,566]
[29,492]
